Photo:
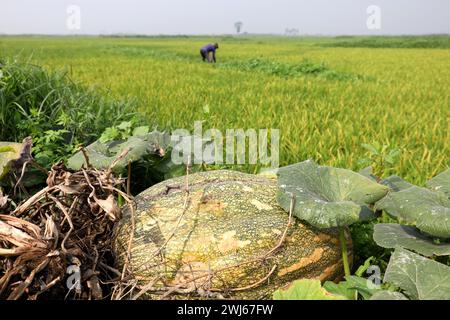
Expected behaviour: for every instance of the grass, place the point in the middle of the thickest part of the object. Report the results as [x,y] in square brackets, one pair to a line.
[436,41]
[286,70]
[58,113]
[328,96]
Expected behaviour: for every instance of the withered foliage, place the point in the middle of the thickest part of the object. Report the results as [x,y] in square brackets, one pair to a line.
[57,244]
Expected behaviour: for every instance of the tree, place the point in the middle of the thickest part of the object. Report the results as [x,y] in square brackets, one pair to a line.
[238,26]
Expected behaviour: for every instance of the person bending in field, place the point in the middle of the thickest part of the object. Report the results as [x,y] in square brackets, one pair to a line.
[208,52]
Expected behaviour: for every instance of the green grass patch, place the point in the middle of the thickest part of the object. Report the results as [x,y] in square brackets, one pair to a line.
[430,42]
[280,69]
[58,113]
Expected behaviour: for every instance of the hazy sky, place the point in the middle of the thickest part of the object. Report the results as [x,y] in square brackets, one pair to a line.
[218,16]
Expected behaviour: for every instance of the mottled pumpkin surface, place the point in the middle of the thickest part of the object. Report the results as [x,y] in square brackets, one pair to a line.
[212,237]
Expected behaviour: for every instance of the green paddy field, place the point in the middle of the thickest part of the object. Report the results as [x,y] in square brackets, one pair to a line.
[327,96]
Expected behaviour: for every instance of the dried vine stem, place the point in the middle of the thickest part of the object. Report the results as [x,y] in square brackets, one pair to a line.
[185,207]
[78,211]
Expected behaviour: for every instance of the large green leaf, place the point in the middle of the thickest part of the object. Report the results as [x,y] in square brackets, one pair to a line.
[141,148]
[388,295]
[9,152]
[368,173]
[428,210]
[391,235]
[342,289]
[327,197]
[441,183]
[419,277]
[351,286]
[396,183]
[305,289]
[361,285]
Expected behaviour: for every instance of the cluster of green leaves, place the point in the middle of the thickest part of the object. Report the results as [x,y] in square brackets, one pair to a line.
[417,277]
[326,197]
[423,226]
[280,69]
[56,112]
[417,42]
[133,148]
[130,147]
[408,276]
[123,131]
[378,161]
[380,158]
[353,288]
[428,209]
[365,247]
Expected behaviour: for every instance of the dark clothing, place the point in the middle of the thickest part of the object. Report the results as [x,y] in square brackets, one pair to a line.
[207,51]
[209,48]
[204,55]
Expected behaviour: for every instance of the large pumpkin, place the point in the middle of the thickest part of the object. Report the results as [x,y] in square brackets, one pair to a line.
[221,239]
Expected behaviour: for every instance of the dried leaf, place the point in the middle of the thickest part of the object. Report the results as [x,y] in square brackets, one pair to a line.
[3,201]
[109,206]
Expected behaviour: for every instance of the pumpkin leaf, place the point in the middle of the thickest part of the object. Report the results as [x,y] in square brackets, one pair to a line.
[362,285]
[327,197]
[396,183]
[368,173]
[428,210]
[388,295]
[305,289]
[109,206]
[441,183]
[419,277]
[141,148]
[9,152]
[391,235]
[342,288]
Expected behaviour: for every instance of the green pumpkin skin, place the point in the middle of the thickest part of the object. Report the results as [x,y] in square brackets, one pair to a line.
[227,219]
